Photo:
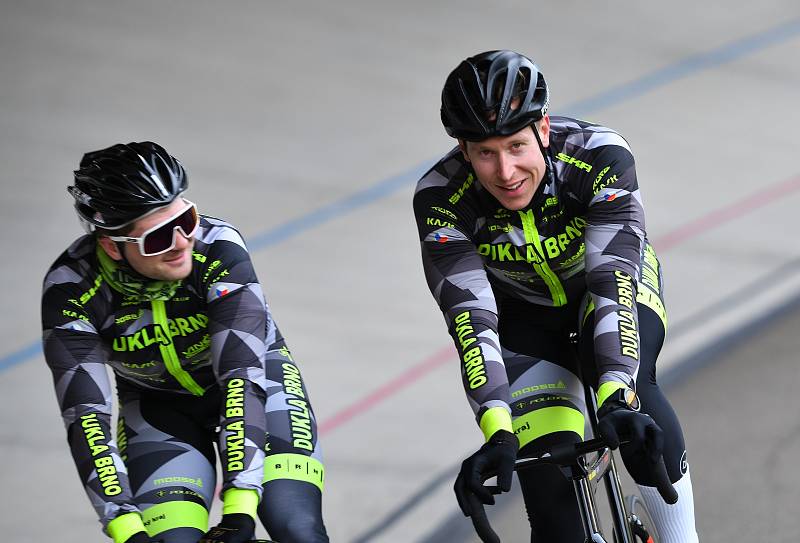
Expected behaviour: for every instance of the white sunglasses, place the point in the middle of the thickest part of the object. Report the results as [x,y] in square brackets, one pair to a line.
[162,237]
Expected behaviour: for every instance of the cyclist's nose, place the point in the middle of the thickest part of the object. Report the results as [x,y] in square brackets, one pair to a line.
[505,167]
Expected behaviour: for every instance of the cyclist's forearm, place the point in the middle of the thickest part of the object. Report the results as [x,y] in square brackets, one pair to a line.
[483,372]
[100,465]
[612,276]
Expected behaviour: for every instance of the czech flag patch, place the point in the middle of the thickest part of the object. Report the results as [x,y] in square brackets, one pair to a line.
[222,291]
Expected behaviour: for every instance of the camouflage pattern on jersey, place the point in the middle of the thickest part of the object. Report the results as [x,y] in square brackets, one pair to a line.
[583,229]
[213,330]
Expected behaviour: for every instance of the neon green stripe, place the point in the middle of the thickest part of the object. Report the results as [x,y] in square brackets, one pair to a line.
[607,389]
[494,419]
[240,500]
[588,310]
[294,466]
[646,296]
[124,526]
[178,514]
[548,420]
[543,269]
[168,353]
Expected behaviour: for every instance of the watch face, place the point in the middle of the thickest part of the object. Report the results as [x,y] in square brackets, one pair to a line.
[631,399]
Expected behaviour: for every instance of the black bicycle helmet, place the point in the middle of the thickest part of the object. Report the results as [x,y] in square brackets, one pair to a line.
[478,96]
[117,185]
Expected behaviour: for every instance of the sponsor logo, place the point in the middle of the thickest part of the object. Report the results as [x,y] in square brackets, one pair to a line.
[537,388]
[501,227]
[157,334]
[103,462]
[552,246]
[626,322]
[300,417]
[563,157]
[128,317]
[550,202]
[474,365]
[438,222]
[182,480]
[456,196]
[444,211]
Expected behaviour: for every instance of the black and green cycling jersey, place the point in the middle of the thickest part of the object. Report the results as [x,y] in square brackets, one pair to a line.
[211,332]
[583,231]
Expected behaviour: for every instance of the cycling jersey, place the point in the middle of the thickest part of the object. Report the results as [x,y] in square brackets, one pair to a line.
[211,331]
[583,230]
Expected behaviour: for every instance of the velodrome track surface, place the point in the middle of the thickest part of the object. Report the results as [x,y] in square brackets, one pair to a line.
[307,124]
[743,443]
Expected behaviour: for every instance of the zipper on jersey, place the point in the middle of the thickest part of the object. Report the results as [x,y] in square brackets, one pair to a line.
[543,269]
[168,353]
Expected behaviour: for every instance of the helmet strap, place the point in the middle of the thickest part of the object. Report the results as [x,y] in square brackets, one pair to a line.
[549,170]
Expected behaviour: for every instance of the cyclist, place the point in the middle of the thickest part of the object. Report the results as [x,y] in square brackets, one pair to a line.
[532,231]
[170,301]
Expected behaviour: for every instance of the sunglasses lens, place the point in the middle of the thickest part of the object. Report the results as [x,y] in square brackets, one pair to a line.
[163,238]
[188,221]
[159,240]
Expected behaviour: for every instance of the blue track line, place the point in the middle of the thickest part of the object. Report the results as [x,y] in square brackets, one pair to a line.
[617,95]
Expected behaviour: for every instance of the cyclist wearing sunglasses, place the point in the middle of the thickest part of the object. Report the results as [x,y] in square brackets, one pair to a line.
[532,233]
[170,301]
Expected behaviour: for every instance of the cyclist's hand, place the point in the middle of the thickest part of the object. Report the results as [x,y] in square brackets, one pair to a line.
[495,457]
[619,419]
[233,528]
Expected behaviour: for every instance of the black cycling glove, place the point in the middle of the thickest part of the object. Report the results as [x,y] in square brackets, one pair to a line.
[233,528]
[619,419]
[496,457]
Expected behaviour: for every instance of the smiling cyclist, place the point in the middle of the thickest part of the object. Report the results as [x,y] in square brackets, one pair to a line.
[532,232]
[170,301]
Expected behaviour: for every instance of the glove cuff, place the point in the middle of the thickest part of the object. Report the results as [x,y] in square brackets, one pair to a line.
[238,521]
[621,398]
[504,437]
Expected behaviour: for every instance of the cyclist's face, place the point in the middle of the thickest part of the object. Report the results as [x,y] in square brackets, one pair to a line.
[170,266]
[510,167]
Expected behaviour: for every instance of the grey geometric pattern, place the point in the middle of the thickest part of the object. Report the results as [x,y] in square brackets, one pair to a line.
[590,225]
[218,329]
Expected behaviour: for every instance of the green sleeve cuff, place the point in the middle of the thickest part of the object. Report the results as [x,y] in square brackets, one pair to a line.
[294,466]
[494,419]
[240,500]
[124,526]
[607,389]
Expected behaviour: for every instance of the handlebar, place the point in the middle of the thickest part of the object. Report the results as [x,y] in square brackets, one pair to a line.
[562,455]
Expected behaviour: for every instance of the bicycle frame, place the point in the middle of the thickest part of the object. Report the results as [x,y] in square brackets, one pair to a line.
[585,476]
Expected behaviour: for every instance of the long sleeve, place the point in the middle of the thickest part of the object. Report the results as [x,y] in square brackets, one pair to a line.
[457,279]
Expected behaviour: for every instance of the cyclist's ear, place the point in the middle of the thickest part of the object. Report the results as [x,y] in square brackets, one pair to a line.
[110,247]
[463,146]
[543,126]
